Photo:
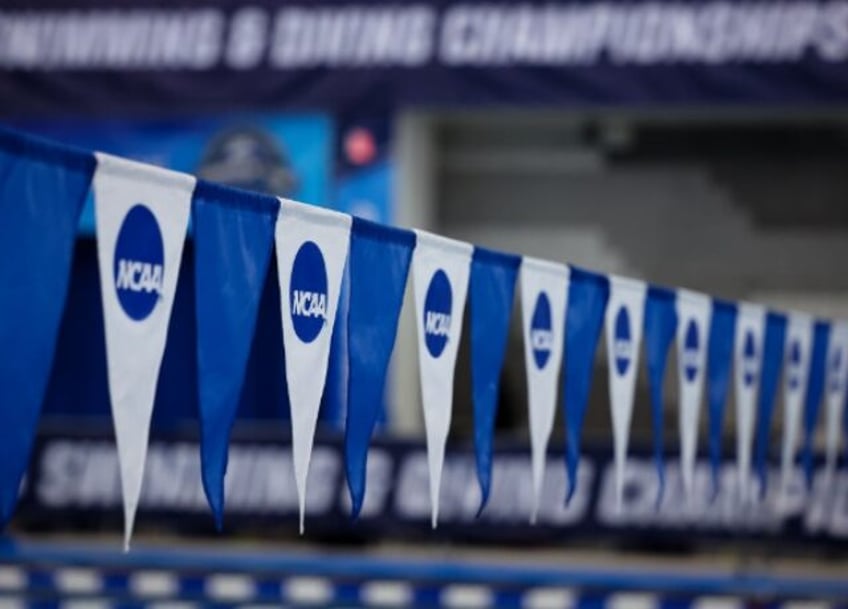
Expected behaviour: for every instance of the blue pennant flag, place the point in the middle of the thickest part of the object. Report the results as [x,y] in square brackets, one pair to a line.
[815,388]
[379,264]
[660,329]
[719,364]
[42,191]
[771,366]
[588,294]
[492,292]
[233,237]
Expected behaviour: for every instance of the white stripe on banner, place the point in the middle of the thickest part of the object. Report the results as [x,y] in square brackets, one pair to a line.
[748,359]
[796,369]
[141,216]
[836,377]
[440,269]
[544,301]
[694,312]
[312,246]
[624,321]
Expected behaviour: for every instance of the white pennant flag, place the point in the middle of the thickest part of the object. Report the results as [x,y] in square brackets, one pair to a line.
[836,379]
[796,370]
[694,313]
[312,246]
[440,270]
[544,301]
[624,321]
[141,216]
[748,358]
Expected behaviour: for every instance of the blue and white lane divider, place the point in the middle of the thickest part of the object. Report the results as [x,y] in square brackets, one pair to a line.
[44,576]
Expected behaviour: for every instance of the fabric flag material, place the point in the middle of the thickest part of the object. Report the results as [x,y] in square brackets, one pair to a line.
[624,323]
[660,329]
[379,265]
[233,238]
[719,359]
[492,288]
[815,389]
[544,300]
[799,343]
[837,381]
[312,247]
[588,294]
[748,357]
[141,215]
[773,349]
[41,195]
[694,311]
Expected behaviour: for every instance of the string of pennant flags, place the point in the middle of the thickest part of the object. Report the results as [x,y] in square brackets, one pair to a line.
[142,216]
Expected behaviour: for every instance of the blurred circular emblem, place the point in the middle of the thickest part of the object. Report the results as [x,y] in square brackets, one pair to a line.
[308,292]
[437,313]
[541,336]
[139,263]
[622,343]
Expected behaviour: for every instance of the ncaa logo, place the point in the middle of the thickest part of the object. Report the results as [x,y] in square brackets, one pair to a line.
[139,263]
[622,344]
[308,292]
[691,345]
[749,359]
[836,371]
[541,336]
[794,372]
[437,313]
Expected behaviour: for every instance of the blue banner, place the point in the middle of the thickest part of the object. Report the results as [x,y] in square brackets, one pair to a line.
[379,264]
[234,233]
[773,343]
[719,364]
[813,398]
[587,302]
[492,293]
[660,329]
[41,194]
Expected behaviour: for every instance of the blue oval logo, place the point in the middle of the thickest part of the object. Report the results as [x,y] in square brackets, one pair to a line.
[749,359]
[437,313]
[139,263]
[308,292]
[691,346]
[541,334]
[794,366]
[836,371]
[622,343]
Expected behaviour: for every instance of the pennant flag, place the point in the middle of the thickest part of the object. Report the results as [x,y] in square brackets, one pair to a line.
[773,348]
[837,380]
[41,195]
[492,294]
[141,215]
[660,328]
[312,246]
[440,269]
[587,301]
[748,357]
[693,311]
[233,237]
[719,358]
[799,341]
[379,265]
[544,299]
[815,388]
[624,323]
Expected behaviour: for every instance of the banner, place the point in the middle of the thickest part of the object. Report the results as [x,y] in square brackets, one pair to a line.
[312,247]
[747,364]
[440,270]
[492,286]
[41,194]
[141,213]
[544,301]
[233,239]
[694,311]
[379,265]
[719,360]
[624,323]
[588,294]
[837,384]
[773,350]
[660,327]
[815,388]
